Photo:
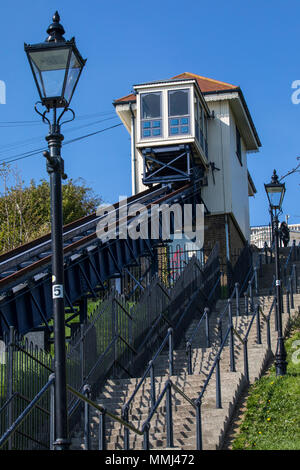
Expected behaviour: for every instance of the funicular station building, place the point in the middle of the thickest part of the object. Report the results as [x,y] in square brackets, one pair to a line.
[189,127]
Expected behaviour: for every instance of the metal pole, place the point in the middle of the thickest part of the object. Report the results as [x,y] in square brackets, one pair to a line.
[169,418]
[55,170]
[101,437]
[206,313]
[199,427]
[218,385]
[52,412]
[237,299]
[246,362]
[87,434]
[258,329]
[231,340]
[152,380]
[280,356]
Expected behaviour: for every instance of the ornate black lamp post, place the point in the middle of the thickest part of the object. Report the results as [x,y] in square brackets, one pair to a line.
[56,65]
[275,192]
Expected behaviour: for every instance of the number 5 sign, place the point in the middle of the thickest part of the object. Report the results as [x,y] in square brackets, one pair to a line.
[57,291]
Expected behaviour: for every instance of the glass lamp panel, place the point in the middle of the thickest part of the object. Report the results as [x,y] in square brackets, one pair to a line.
[38,79]
[274,195]
[73,73]
[50,59]
[53,82]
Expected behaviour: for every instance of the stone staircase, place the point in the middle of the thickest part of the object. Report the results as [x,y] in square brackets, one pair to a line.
[215,422]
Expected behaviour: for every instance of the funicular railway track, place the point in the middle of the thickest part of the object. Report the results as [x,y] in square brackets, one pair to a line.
[35,254]
[25,272]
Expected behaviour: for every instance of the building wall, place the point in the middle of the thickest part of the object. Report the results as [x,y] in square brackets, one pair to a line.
[217,194]
[222,228]
[239,182]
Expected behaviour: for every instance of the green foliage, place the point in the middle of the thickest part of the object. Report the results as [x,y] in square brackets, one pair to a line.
[272,419]
[25,211]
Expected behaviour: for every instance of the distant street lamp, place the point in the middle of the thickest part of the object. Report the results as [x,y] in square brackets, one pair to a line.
[275,193]
[56,65]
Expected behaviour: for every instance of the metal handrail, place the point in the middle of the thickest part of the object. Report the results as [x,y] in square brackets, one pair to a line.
[150,365]
[102,409]
[217,358]
[146,425]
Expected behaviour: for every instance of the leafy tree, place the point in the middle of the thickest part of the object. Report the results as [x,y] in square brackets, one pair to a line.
[25,211]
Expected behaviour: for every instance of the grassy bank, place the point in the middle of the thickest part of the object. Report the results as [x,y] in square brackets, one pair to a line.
[272,418]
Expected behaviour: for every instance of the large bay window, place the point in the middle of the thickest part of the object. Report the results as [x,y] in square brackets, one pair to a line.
[151,115]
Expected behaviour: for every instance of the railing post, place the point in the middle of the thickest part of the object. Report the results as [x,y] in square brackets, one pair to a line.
[237,299]
[246,362]
[231,338]
[10,378]
[276,313]
[258,330]
[268,333]
[256,280]
[82,355]
[189,355]
[170,330]
[152,380]
[206,313]
[169,417]
[218,385]
[292,294]
[220,330]
[102,431]
[52,413]
[87,434]
[126,430]
[288,301]
[199,444]
[246,303]
[146,444]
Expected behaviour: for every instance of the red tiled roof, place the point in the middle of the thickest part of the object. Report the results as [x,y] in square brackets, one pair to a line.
[205,84]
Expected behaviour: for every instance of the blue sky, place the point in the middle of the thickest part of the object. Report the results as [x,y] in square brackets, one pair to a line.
[253,44]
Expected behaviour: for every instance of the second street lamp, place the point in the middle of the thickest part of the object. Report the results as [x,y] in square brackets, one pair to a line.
[275,193]
[56,66]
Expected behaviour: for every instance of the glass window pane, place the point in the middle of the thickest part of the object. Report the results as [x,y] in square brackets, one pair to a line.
[184,130]
[174,122]
[155,123]
[156,131]
[174,130]
[146,133]
[146,125]
[151,107]
[178,102]
[184,120]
